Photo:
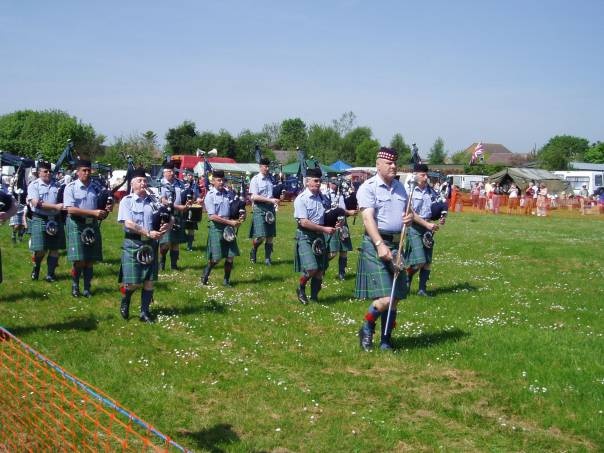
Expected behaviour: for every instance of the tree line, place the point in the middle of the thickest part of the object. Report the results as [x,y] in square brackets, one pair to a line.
[44,134]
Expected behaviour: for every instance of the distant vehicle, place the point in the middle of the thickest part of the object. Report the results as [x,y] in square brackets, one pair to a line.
[465,182]
[577,178]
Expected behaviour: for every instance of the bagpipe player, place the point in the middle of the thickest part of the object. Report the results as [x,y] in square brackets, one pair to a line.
[222,228]
[383,201]
[83,233]
[144,226]
[339,242]
[47,224]
[264,224]
[311,252]
[8,207]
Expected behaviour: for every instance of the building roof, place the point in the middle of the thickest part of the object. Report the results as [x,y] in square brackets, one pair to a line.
[491,148]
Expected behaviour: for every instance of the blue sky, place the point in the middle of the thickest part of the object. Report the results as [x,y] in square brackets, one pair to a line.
[510,72]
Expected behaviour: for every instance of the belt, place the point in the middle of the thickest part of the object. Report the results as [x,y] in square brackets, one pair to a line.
[78,219]
[42,216]
[390,237]
[137,237]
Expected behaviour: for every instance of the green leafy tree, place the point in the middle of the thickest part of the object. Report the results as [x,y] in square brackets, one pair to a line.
[182,139]
[404,151]
[292,134]
[323,142]
[560,150]
[482,169]
[206,141]
[141,147]
[461,157]
[366,152]
[353,139]
[45,134]
[246,142]
[595,154]
[437,152]
[225,144]
[271,131]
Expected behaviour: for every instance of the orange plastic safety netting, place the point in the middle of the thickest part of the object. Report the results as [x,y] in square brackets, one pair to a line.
[44,408]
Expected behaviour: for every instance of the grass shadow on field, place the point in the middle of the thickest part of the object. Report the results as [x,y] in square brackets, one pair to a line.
[215,439]
[427,340]
[258,279]
[210,306]
[20,296]
[463,287]
[82,323]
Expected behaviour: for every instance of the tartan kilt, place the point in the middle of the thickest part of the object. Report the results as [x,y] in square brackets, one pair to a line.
[41,241]
[177,233]
[374,279]
[336,244]
[76,250]
[259,228]
[217,247]
[19,217]
[304,258]
[415,252]
[133,272]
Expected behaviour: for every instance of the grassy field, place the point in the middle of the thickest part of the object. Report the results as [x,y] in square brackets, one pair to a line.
[508,355]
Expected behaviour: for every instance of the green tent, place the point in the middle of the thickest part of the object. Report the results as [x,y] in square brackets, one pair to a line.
[292,169]
[522,177]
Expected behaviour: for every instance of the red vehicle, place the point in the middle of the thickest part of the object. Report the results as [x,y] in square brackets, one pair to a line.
[188,161]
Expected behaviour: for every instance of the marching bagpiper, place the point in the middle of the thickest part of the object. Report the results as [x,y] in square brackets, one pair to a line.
[264,224]
[84,240]
[311,253]
[47,225]
[222,235]
[143,228]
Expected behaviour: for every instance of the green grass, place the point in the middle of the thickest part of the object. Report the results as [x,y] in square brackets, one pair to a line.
[507,357]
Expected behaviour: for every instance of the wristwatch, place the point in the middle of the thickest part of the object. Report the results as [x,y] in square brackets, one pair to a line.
[378,243]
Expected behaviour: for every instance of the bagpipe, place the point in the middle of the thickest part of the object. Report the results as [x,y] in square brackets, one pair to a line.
[18,184]
[237,207]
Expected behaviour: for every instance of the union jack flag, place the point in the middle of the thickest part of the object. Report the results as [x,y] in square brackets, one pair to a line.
[478,152]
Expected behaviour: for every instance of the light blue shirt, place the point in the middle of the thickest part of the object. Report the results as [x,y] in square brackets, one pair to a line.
[217,203]
[422,201]
[137,209]
[167,188]
[311,207]
[39,190]
[388,202]
[261,185]
[77,195]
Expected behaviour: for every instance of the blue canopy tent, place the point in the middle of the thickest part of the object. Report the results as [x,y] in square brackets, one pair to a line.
[340,165]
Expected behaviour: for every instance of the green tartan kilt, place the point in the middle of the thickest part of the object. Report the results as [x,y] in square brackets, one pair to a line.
[41,241]
[76,250]
[305,259]
[259,228]
[374,279]
[336,244]
[133,272]
[177,233]
[415,252]
[217,247]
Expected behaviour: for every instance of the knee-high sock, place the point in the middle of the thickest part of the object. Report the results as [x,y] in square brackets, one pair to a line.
[75,275]
[52,262]
[424,276]
[146,298]
[126,294]
[228,267]
[88,271]
[268,250]
[410,273]
[371,316]
[315,287]
[391,325]
[342,261]
[174,254]
[257,243]
[37,260]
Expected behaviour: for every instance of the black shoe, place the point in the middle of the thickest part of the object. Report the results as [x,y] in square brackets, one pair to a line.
[75,291]
[341,277]
[227,283]
[301,296]
[366,338]
[175,267]
[145,316]
[87,293]
[268,262]
[423,293]
[253,256]
[50,278]
[35,274]
[125,308]
[314,298]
